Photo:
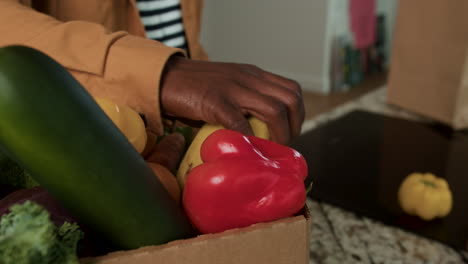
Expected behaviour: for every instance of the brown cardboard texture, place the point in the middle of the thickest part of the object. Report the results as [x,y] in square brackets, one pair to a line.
[429,63]
[285,241]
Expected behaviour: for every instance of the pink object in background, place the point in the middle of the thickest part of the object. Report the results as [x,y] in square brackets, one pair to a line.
[362,22]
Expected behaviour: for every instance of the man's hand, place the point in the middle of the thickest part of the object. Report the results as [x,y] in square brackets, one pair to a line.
[226,93]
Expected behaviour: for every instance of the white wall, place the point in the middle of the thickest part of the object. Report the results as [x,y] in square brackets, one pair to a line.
[291,38]
[285,37]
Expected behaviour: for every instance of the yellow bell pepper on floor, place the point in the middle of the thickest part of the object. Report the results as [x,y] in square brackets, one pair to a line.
[425,195]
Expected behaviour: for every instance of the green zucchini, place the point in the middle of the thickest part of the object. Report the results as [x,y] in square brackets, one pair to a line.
[52,127]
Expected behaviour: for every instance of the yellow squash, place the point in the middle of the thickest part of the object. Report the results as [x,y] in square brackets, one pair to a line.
[425,195]
[192,156]
[127,120]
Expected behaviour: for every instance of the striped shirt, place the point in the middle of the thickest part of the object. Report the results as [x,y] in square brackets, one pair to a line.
[163,21]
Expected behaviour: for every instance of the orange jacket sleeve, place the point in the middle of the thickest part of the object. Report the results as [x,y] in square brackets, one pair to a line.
[121,67]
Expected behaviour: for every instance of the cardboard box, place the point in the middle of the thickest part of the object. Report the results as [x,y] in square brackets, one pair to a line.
[429,63]
[284,241]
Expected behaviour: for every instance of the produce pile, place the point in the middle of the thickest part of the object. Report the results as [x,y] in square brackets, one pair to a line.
[82,166]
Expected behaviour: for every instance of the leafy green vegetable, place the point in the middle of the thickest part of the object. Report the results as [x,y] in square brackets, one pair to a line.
[27,235]
[11,173]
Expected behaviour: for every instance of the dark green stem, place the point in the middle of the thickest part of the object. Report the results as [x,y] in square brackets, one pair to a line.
[429,183]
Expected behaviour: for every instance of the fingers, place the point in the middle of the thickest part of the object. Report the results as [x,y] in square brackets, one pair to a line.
[269,109]
[233,118]
[224,93]
[280,107]
[288,97]
[168,151]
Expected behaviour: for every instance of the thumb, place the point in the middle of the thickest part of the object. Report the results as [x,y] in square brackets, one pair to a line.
[168,151]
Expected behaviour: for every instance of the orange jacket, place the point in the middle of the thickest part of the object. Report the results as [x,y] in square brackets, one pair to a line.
[102,43]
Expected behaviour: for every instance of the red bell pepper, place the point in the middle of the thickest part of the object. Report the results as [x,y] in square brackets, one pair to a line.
[243,180]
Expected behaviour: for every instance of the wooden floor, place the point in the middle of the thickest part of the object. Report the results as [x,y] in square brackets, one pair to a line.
[316,104]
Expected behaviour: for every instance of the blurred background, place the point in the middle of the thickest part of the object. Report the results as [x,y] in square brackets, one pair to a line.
[366,127]
[309,41]
[312,42]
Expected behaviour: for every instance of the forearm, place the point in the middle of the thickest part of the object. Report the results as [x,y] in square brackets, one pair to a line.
[118,66]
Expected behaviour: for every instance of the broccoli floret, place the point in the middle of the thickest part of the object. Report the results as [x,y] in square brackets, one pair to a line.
[27,235]
[11,173]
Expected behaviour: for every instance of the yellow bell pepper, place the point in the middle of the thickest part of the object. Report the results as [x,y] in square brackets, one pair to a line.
[128,121]
[425,195]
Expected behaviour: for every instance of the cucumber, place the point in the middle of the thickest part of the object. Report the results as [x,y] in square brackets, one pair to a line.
[52,127]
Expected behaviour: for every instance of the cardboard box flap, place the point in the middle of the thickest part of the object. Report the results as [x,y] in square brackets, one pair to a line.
[428,62]
[285,241]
